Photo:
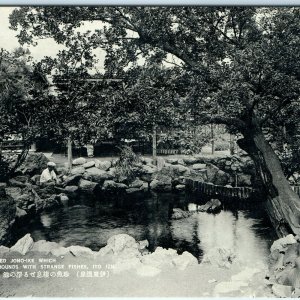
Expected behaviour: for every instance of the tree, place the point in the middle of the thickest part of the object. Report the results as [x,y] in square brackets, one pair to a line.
[243,61]
[22,90]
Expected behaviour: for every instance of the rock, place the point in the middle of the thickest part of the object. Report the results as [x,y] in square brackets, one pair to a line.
[79,161]
[184,260]
[221,178]
[71,191]
[143,244]
[87,186]
[20,213]
[120,242]
[148,169]
[131,191]
[72,179]
[61,251]
[121,246]
[78,170]
[160,257]
[104,165]
[112,186]
[212,206]
[147,160]
[291,254]
[244,180]
[179,214]
[49,204]
[190,160]
[7,215]
[136,183]
[63,198]
[35,179]
[80,251]
[34,163]
[211,171]
[282,291]
[179,170]
[23,245]
[180,187]
[172,161]
[3,250]
[162,183]
[221,257]
[96,175]
[45,247]
[89,164]
[198,166]
[281,244]
[147,271]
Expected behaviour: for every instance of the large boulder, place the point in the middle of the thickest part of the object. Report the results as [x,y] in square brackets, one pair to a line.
[211,171]
[80,251]
[244,180]
[24,198]
[221,178]
[78,170]
[184,260]
[104,165]
[212,206]
[44,246]
[112,186]
[179,214]
[160,258]
[283,243]
[71,191]
[190,160]
[122,245]
[96,175]
[199,166]
[161,183]
[23,245]
[7,215]
[72,179]
[89,164]
[178,170]
[137,183]
[87,186]
[79,161]
[49,203]
[34,163]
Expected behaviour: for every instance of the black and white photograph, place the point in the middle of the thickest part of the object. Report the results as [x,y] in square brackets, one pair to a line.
[149,151]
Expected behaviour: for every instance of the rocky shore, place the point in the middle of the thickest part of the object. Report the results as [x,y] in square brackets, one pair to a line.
[94,177]
[124,267]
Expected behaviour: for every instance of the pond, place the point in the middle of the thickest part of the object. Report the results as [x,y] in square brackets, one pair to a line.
[244,228]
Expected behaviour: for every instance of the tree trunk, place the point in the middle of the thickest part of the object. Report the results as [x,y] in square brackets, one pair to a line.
[70,158]
[283,203]
[212,139]
[154,145]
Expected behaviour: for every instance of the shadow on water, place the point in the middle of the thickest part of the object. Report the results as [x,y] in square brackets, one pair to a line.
[242,227]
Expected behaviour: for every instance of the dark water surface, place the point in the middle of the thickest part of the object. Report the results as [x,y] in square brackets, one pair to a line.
[244,228]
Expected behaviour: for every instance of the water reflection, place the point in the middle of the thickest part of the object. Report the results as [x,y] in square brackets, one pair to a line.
[91,224]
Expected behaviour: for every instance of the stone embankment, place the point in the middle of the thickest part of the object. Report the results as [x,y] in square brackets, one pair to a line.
[220,273]
[94,177]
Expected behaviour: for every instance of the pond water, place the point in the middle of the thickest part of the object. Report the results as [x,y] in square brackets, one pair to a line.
[244,228]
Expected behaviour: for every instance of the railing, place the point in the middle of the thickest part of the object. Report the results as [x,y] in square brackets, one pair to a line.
[218,190]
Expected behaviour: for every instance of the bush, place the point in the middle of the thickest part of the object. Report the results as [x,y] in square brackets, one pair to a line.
[128,165]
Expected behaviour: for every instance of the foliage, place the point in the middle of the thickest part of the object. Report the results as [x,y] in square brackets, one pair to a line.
[186,141]
[128,165]
[22,101]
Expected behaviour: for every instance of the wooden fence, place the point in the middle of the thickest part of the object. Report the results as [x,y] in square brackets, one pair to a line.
[224,191]
[218,190]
